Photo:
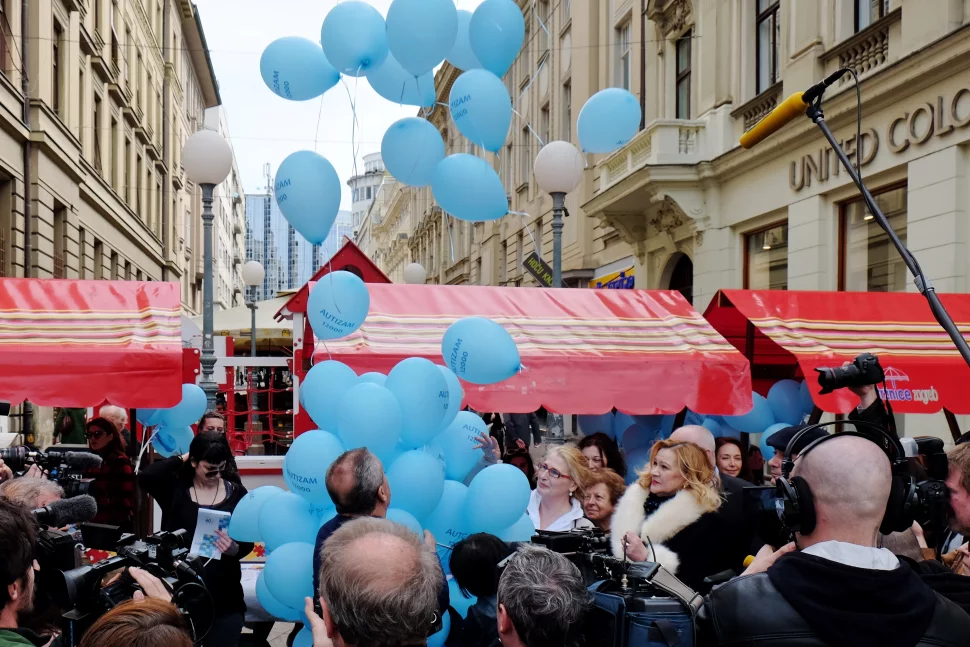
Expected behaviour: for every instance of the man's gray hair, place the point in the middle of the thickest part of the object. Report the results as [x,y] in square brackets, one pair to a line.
[27,491]
[112,413]
[380,584]
[545,597]
[368,477]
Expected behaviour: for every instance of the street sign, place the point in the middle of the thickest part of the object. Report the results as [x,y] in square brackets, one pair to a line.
[539,269]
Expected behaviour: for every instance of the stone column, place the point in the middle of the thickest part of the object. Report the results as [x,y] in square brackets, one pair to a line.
[812,245]
[714,265]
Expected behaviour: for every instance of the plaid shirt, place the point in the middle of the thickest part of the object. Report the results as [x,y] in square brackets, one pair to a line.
[113,488]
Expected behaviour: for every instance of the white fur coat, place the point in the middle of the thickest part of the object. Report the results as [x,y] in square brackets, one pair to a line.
[670,518]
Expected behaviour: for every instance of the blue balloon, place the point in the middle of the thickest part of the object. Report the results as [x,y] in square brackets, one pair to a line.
[244,523]
[458,601]
[468,188]
[188,411]
[597,424]
[456,445]
[411,150]
[420,33]
[711,424]
[308,193]
[640,435]
[637,460]
[767,451]
[609,120]
[756,420]
[455,395]
[417,384]
[805,397]
[497,497]
[785,401]
[304,638]
[172,441]
[461,55]
[621,422]
[148,417]
[480,351]
[306,463]
[323,389]
[396,84]
[521,530]
[370,417]
[693,418]
[285,518]
[438,639]
[405,519]
[338,305]
[354,37]
[297,69]
[447,521]
[417,481]
[289,574]
[481,108]
[270,604]
[374,378]
[496,32]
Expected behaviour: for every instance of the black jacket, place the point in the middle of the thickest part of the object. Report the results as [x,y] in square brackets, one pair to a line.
[518,427]
[740,538]
[807,601]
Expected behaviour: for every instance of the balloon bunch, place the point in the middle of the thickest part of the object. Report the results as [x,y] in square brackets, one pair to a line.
[174,433]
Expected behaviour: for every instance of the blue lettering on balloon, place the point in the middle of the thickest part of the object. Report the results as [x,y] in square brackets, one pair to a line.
[298,478]
[282,184]
[454,355]
[460,101]
[459,115]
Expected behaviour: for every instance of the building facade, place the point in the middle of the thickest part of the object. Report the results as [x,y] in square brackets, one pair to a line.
[364,186]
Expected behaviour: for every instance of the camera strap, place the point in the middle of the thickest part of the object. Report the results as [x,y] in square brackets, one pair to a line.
[666,581]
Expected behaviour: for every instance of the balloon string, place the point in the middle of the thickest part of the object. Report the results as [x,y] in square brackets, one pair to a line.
[539,20]
[531,81]
[525,224]
[529,126]
[324,342]
[451,241]
[144,447]
[316,141]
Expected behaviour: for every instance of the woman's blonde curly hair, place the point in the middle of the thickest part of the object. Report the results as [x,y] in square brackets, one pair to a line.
[692,463]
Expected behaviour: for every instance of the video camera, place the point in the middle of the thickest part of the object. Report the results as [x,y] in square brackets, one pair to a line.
[66,468]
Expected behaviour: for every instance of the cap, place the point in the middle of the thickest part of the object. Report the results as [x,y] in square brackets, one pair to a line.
[780,439]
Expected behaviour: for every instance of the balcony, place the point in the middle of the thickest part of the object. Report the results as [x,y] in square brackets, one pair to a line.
[675,142]
[237,228]
[88,45]
[142,134]
[102,67]
[178,178]
[236,258]
[866,51]
[755,110]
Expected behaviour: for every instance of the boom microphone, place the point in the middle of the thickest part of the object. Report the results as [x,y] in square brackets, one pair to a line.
[787,111]
[65,512]
[81,460]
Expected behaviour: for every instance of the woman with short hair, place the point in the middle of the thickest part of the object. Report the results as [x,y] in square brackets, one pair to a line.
[603,492]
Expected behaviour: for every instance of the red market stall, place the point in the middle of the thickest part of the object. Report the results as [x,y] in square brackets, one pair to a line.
[67,343]
[786,333]
[583,351]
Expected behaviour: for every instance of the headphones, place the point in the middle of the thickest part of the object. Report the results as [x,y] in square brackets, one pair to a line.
[798,505]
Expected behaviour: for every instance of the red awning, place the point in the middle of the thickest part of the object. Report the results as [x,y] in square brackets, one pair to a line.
[584,351]
[924,371]
[81,343]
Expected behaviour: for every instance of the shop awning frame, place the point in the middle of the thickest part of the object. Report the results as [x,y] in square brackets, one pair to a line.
[786,333]
[584,351]
[69,343]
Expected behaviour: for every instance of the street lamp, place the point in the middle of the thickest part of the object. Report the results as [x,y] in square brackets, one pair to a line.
[207,159]
[415,274]
[558,170]
[252,275]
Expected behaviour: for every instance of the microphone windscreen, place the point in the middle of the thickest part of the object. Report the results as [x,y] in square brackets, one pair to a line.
[82,460]
[748,560]
[65,512]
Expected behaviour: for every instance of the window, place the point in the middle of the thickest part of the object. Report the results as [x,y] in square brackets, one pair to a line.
[82,253]
[96,129]
[544,124]
[525,157]
[98,260]
[60,234]
[128,47]
[113,171]
[767,35]
[5,41]
[566,9]
[766,258]
[519,252]
[545,26]
[504,263]
[57,48]
[138,187]
[509,164]
[81,111]
[369,195]
[139,276]
[538,243]
[623,62]
[127,173]
[127,270]
[683,76]
[97,15]
[567,111]
[869,11]
[869,262]
[138,75]
[158,213]
[525,59]
[5,227]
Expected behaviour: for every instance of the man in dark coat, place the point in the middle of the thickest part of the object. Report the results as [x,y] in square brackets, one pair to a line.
[518,427]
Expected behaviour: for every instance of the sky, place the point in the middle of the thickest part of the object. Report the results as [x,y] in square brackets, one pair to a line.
[265,128]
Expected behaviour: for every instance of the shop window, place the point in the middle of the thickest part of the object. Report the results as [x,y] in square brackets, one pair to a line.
[868,260]
[766,258]
[768,35]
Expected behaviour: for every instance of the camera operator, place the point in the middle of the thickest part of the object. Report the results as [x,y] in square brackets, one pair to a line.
[838,589]
[958,488]
[139,623]
[18,536]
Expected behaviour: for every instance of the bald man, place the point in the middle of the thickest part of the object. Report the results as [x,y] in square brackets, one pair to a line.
[739,538]
[834,587]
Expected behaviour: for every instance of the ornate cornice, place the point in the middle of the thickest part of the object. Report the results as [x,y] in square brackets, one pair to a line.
[671,16]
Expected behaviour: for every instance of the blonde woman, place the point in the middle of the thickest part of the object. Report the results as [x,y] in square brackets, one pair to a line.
[665,516]
[557,501]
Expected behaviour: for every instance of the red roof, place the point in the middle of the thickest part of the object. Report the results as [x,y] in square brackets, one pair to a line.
[81,343]
[349,258]
[584,351]
[924,370]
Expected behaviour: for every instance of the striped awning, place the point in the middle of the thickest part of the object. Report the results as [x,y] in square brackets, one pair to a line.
[584,351]
[924,371]
[81,343]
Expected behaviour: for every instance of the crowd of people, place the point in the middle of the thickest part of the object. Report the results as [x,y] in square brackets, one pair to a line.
[843,581]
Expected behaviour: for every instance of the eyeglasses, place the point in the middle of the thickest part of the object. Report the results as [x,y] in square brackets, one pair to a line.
[93,435]
[553,472]
[517,451]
